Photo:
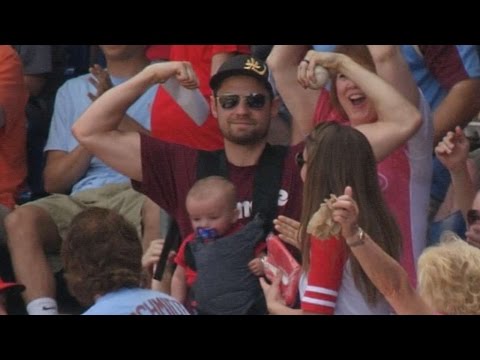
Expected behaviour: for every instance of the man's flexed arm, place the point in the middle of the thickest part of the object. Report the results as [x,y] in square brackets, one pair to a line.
[97,130]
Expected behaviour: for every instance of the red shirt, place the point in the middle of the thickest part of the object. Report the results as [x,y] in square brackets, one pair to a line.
[13,99]
[324,110]
[170,170]
[327,261]
[169,122]
[158,52]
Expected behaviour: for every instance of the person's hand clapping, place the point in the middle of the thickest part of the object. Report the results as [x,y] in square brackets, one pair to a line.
[345,212]
[100,79]
[287,230]
[453,150]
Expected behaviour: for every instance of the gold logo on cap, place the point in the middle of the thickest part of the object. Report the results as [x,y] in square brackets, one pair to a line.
[254,65]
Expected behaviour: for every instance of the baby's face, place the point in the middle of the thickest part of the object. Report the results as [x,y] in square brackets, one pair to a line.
[213,213]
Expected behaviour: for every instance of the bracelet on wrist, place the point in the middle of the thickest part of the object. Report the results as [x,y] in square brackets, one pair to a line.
[360,238]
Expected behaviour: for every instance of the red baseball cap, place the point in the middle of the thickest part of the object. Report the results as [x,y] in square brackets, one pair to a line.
[9,287]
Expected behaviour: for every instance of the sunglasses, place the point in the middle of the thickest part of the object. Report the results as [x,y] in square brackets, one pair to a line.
[254,101]
[300,160]
[473,216]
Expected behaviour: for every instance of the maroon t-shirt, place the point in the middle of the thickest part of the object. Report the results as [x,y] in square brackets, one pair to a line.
[169,171]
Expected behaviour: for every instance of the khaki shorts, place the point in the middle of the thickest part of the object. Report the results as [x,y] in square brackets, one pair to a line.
[63,208]
[119,197]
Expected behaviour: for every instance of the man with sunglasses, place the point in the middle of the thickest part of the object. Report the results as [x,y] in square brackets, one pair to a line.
[243,102]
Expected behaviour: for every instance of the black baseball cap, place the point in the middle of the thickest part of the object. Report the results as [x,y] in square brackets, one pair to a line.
[242,65]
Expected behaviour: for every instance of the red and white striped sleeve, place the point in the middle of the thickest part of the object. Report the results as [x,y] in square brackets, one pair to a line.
[327,261]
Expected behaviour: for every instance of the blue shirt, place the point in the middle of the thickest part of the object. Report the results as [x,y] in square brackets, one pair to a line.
[71,101]
[136,301]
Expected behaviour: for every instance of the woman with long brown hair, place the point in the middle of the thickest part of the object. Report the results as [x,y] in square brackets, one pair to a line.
[404,164]
[337,157]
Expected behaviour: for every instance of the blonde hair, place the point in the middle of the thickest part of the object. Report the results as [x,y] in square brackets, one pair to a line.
[449,276]
[214,185]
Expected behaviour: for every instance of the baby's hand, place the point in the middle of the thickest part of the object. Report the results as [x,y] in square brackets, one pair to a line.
[256,267]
